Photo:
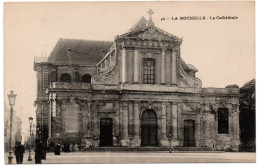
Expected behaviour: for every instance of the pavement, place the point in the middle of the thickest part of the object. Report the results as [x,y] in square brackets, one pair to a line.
[142,157]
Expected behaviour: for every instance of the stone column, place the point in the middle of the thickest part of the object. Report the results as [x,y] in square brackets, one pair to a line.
[174,67]
[121,120]
[174,124]
[207,117]
[117,118]
[90,120]
[54,104]
[124,67]
[163,67]
[163,141]
[235,126]
[136,141]
[136,66]
[125,140]
[130,119]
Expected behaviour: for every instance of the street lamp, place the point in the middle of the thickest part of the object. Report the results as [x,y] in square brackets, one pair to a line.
[11,98]
[30,122]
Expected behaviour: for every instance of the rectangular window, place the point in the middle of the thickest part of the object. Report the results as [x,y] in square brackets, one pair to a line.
[148,71]
[223,121]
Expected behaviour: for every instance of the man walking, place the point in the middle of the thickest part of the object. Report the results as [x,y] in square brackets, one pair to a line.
[38,152]
[19,151]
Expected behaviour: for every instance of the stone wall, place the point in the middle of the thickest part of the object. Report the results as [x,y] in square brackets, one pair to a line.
[171,111]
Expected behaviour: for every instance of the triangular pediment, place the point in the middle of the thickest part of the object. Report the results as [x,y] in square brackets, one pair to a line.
[150,33]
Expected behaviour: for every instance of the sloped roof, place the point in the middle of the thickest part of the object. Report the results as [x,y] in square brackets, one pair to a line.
[72,51]
[140,24]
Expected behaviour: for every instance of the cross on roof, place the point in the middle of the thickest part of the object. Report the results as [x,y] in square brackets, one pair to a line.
[150,12]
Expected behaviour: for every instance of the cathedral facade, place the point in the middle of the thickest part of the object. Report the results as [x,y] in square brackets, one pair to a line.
[135,91]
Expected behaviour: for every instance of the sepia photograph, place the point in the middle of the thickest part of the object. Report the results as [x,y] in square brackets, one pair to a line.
[129,82]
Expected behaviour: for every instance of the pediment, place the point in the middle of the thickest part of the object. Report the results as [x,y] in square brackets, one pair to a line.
[151,33]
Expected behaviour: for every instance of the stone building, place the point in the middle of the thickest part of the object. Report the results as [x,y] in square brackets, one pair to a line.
[132,92]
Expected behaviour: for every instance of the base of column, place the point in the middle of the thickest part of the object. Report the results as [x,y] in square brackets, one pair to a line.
[164,142]
[174,84]
[235,145]
[175,143]
[96,143]
[125,142]
[136,142]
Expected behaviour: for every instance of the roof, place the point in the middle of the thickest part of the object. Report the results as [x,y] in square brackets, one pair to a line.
[140,24]
[72,51]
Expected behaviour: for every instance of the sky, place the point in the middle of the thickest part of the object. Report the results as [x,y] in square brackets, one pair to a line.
[222,50]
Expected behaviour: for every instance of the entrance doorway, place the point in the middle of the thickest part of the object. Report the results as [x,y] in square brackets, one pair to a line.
[189,133]
[106,136]
[149,128]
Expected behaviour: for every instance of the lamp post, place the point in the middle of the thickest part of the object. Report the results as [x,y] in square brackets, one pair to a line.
[30,122]
[11,98]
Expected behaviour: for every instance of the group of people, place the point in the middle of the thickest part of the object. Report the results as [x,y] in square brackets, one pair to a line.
[68,147]
[40,152]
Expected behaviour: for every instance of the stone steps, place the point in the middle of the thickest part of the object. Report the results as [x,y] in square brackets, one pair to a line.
[194,149]
[135,149]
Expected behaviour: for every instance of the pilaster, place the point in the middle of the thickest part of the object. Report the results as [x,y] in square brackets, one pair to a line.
[124,66]
[174,67]
[136,66]
[163,67]
[125,139]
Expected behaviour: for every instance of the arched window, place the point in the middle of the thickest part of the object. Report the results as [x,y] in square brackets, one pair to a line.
[65,78]
[149,128]
[86,78]
[148,71]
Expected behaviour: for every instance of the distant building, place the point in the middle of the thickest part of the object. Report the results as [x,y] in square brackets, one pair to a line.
[135,91]
[16,129]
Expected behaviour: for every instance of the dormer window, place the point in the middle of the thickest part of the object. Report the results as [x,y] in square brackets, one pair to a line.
[148,71]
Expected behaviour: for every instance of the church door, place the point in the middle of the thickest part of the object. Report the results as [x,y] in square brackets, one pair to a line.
[149,128]
[189,133]
[106,137]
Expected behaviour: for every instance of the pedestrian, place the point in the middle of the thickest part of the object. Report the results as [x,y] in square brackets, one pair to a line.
[38,152]
[68,147]
[76,147]
[44,150]
[19,151]
[57,149]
